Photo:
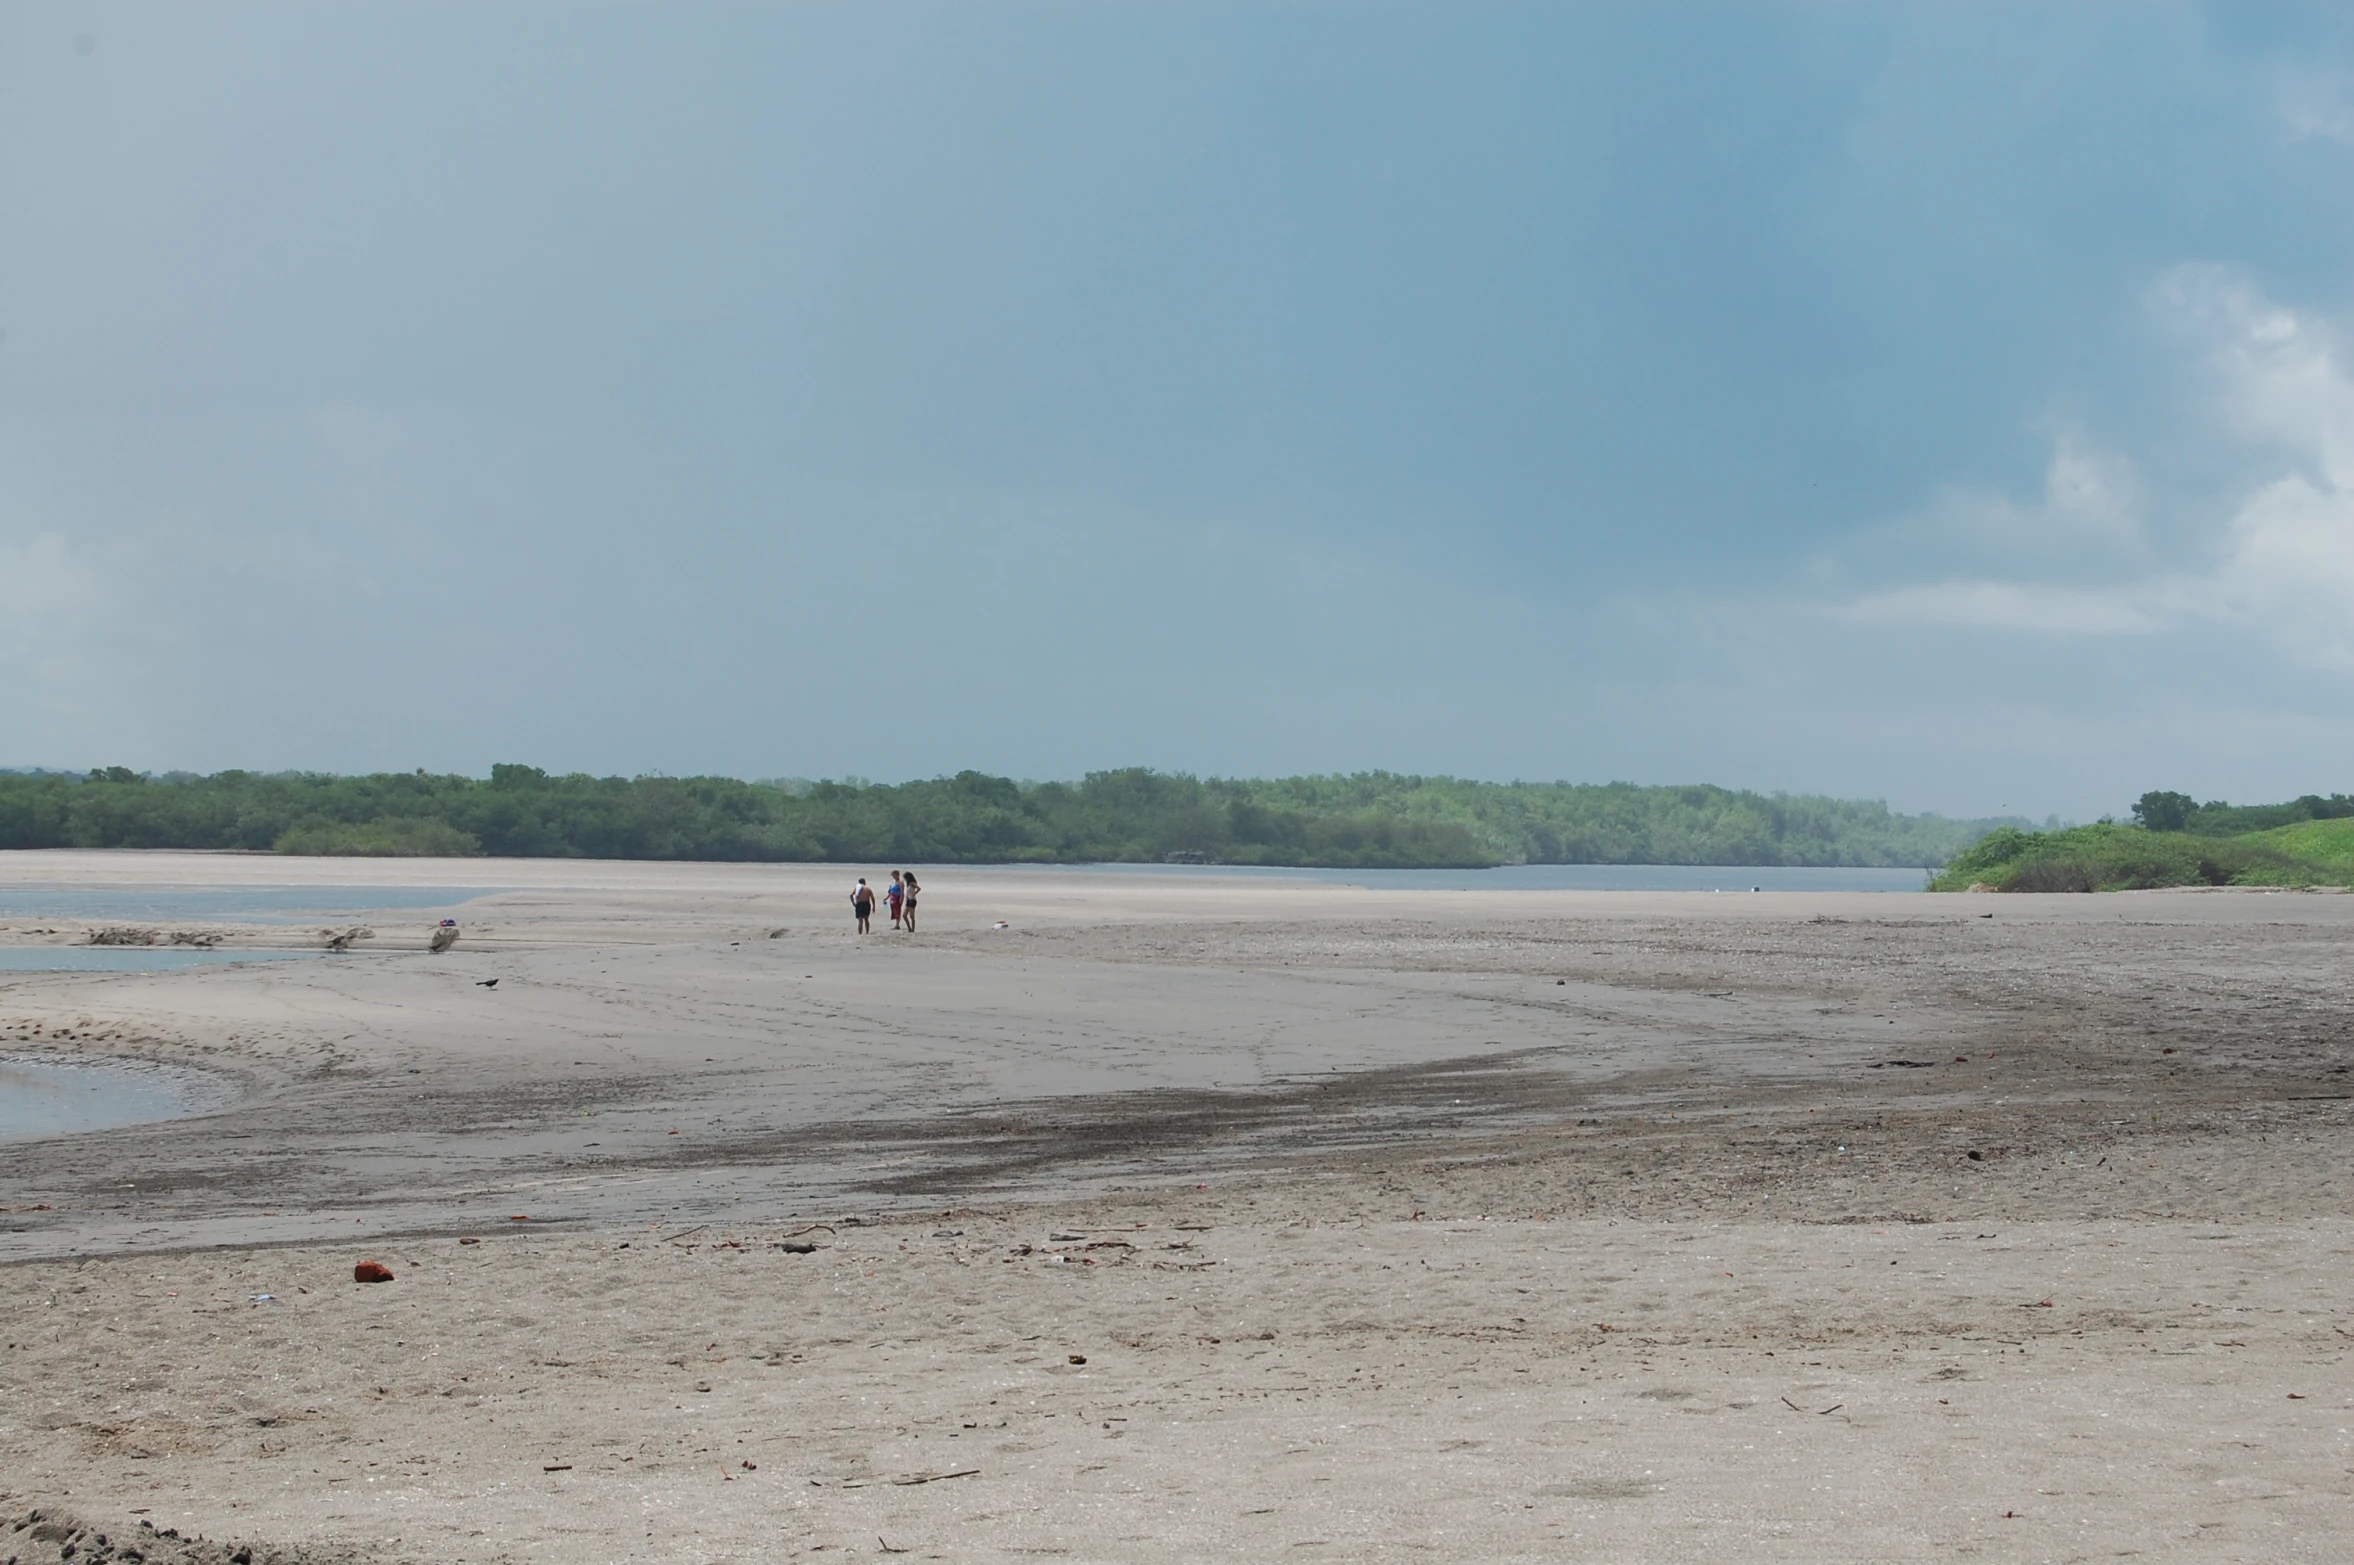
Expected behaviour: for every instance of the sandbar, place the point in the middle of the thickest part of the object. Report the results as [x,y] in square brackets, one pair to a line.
[1136,1217]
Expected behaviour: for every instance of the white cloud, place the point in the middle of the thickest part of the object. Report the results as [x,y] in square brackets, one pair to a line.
[2006,605]
[2280,563]
[2291,569]
[2280,375]
[2317,107]
[2287,557]
[2087,524]
[2091,494]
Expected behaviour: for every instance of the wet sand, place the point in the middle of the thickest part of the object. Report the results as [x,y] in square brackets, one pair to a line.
[1597,1225]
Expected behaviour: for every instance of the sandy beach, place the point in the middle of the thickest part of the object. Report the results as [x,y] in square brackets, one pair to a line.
[1187,1217]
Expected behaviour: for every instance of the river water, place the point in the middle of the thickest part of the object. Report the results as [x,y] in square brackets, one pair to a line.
[233,904]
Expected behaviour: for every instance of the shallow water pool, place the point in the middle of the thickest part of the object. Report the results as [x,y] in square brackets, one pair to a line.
[131,959]
[47,1097]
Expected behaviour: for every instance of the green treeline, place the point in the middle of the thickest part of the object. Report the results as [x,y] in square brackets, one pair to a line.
[1369,820]
[2179,812]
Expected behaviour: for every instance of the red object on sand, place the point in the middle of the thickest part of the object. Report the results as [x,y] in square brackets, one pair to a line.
[371,1271]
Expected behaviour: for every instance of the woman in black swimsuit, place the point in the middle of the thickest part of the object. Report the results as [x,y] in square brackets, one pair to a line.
[907,903]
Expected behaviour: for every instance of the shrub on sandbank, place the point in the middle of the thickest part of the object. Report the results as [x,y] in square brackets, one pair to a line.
[2110,857]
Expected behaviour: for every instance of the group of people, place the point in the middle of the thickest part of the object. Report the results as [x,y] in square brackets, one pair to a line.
[900,894]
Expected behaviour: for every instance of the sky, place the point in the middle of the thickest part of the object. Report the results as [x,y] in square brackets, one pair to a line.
[1944,404]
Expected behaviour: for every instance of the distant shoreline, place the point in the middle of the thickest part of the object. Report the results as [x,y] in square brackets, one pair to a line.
[1361,821]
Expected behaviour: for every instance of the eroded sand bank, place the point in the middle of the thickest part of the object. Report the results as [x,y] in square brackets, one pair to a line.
[1551,1225]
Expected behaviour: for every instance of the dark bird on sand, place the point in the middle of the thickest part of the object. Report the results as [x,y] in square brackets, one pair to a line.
[486,983]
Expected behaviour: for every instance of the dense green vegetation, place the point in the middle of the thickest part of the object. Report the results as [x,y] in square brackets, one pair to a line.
[2315,851]
[2327,845]
[2105,857]
[1621,823]
[1370,820]
[2179,812]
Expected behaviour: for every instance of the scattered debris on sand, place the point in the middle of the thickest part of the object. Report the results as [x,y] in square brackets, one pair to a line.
[45,1535]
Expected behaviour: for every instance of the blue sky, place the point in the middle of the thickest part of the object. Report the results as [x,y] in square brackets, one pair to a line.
[1946,404]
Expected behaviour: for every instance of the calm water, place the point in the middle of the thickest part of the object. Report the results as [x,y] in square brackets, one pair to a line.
[51,1098]
[129,959]
[238,904]
[1554,877]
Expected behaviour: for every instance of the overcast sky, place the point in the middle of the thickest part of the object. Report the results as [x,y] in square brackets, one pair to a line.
[1949,404]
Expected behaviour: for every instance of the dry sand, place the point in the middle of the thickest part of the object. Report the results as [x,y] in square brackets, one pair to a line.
[1450,1225]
